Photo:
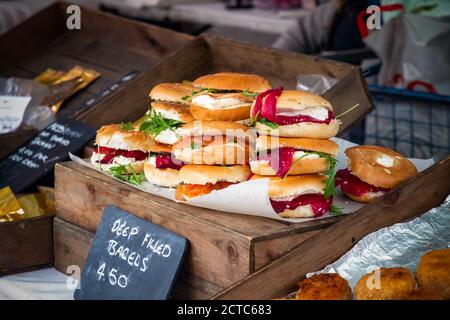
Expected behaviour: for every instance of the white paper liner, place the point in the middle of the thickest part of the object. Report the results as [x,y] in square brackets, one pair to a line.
[250,197]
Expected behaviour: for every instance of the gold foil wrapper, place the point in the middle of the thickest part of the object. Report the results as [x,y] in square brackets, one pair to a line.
[10,208]
[26,206]
[64,84]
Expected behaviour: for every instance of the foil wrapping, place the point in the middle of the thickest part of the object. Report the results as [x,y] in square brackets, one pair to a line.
[401,244]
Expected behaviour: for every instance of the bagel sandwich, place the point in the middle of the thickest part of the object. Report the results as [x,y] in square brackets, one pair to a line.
[161,168]
[294,113]
[225,96]
[372,171]
[213,143]
[292,156]
[121,151]
[168,112]
[199,180]
[301,196]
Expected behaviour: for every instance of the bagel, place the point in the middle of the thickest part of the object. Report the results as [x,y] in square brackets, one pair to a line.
[198,180]
[225,96]
[379,166]
[305,155]
[212,150]
[294,196]
[295,114]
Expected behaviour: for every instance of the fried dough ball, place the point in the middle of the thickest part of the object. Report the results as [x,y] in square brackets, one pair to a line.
[385,284]
[326,286]
[433,272]
[423,294]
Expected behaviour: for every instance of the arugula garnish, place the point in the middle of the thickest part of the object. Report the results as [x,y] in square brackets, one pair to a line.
[330,173]
[249,94]
[336,210]
[127,173]
[154,124]
[268,123]
[126,126]
[246,93]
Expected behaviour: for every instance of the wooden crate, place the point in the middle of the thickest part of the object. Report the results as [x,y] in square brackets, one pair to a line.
[72,244]
[224,247]
[26,245]
[422,193]
[109,44]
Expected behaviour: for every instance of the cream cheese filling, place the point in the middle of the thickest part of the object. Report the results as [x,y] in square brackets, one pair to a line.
[217,103]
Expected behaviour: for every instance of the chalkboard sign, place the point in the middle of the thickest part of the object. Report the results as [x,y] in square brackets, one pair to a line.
[37,157]
[130,259]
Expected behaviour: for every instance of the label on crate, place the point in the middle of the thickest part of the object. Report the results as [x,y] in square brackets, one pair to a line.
[131,259]
[38,156]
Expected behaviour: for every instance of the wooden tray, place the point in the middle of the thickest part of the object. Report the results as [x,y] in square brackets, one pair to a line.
[109,44]
[26,245]
[422,193]
[224,247]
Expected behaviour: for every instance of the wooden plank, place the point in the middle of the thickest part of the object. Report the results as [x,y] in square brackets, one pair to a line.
[26,244]
[72,244]
[280,67]
[32,35]
[185,64]
[328,245]
[269,250]
[136,36]
[216,254]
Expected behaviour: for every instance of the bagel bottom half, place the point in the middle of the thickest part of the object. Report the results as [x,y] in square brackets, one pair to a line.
[365,198]
[303,129]
[137,166]
[161,177]
[302,166]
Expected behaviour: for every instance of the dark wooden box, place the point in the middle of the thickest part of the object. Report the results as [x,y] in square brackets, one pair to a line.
[26,245]
[109,44]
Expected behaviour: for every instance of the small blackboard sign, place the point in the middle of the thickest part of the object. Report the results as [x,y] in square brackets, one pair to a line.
[38,156]
[130,259]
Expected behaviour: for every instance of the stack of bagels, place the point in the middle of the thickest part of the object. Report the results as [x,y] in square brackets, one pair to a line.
[226,128]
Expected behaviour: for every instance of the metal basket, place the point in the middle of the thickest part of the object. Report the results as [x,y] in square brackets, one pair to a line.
[416,124]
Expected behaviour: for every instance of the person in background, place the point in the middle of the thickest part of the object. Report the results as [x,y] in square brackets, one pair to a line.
[330,27]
